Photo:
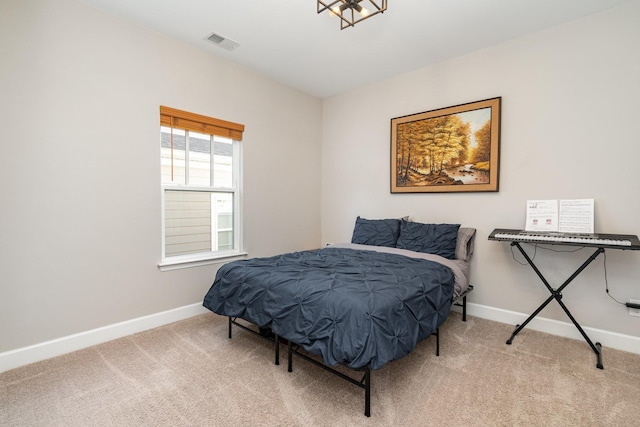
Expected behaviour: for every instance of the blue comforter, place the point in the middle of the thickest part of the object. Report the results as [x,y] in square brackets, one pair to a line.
[355,307]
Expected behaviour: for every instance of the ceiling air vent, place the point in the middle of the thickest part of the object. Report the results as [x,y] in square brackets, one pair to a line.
[223,42]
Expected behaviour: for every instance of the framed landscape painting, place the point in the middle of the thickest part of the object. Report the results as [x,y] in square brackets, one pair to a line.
[452,149]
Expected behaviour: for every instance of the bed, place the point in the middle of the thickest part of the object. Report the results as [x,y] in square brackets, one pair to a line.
[361,304]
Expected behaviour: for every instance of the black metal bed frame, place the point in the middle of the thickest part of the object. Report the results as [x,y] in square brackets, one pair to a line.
[365,381]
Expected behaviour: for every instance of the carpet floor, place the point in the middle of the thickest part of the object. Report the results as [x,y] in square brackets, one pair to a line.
[189,373]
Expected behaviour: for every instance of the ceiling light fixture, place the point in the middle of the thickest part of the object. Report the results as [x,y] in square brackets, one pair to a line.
[351,12]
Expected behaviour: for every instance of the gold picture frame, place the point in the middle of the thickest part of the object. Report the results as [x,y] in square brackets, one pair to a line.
[452,149]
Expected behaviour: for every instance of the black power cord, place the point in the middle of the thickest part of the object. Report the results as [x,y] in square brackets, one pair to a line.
[606,284]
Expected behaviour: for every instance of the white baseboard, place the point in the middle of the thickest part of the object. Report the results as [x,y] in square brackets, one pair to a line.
[564,329]
[26,355]
[34,353]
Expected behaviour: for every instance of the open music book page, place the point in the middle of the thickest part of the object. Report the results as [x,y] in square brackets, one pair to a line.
[576,216]
[542,215]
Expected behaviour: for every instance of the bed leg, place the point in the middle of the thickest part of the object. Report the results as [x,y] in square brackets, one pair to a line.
[290,357]
[230,323]
[367,392]
[277,344]
[464,308]
[437,334]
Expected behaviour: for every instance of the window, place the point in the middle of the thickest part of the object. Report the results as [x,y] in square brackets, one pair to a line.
[200,180]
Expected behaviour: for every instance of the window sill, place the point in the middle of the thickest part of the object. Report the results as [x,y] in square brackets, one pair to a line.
[188,261]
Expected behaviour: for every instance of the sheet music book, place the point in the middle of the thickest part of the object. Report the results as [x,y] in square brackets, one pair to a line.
[565,216]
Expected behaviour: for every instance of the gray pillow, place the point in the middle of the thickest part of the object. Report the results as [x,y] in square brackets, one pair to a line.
[465,244]
[376,232]
[438,239]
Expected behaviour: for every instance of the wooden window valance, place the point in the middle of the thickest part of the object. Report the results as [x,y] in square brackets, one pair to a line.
[179,119]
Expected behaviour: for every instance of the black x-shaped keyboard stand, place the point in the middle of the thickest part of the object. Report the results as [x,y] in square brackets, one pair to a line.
[557,295]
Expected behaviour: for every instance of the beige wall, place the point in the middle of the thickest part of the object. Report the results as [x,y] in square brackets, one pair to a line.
[80,92]
[569,130]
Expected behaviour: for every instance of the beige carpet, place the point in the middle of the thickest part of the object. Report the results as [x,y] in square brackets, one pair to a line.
[190,374]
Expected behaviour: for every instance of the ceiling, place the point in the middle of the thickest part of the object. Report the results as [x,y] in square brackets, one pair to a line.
[288,41]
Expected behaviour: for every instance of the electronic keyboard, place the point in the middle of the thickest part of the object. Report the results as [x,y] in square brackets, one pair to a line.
[615,241]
